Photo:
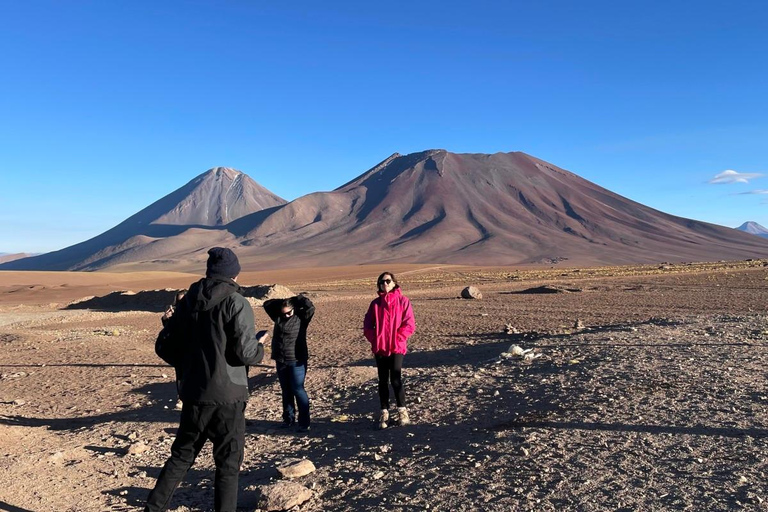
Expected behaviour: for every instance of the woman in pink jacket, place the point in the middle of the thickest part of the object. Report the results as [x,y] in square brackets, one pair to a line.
[388,325]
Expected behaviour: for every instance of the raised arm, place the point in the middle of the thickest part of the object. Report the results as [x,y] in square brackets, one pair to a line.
[304,308]
[272,308]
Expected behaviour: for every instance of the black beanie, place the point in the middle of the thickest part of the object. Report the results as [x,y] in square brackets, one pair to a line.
[222,262]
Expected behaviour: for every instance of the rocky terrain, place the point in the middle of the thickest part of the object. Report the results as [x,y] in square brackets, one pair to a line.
[644,390]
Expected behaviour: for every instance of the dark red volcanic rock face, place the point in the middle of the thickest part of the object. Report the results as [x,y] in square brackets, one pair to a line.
[428,207]
[500,209]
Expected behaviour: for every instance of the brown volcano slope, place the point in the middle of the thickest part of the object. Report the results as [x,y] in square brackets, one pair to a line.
[212,199]
[500,209]
[428,207]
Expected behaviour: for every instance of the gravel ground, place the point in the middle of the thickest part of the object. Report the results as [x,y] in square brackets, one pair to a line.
[657,401]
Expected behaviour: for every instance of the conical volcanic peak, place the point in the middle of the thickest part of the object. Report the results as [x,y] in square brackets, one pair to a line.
[209,201]
[217,197]
[754,228]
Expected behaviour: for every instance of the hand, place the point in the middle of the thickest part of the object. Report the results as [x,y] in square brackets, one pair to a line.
[168,312]
[262,336]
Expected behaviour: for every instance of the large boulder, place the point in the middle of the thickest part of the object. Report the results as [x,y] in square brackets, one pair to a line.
[282,495]
[470,292]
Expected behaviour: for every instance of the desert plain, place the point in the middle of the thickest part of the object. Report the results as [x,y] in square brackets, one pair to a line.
[647,392]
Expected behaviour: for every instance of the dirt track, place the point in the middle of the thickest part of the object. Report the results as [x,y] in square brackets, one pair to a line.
[658,403]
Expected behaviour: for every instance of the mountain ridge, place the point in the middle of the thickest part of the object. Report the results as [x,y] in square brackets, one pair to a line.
[435,206]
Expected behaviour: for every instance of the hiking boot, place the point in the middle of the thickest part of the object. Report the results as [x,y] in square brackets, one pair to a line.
[402,417]
[383,419]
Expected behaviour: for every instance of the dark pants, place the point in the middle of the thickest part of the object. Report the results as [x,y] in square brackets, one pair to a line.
[390,370]
[224,425]
[291,376]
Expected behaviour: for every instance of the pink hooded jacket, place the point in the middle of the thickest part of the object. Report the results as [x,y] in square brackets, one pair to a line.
[389,323]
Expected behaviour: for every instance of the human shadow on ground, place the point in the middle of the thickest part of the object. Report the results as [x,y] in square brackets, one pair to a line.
[698,430]
[531,397]
[162,394]
[85,365]
[11,508]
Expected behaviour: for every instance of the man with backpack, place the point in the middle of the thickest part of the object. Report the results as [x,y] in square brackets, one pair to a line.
[210,340]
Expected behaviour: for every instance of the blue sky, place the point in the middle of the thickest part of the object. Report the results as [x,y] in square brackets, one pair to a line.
[107,106]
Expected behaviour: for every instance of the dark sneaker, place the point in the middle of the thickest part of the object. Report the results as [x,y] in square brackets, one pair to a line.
[287,424]
[303,429]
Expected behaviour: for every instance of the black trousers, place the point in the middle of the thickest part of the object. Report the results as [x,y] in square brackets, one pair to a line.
[224,425]
[390,370]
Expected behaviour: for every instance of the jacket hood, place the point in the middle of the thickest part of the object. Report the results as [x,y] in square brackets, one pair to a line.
[208,292]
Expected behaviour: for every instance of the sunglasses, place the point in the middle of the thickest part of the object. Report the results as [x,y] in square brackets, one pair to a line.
[385,281]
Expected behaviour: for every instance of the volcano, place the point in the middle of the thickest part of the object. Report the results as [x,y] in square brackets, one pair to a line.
[169,225]
[428,207]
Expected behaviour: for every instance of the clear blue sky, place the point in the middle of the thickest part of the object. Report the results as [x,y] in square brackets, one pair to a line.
[106,106]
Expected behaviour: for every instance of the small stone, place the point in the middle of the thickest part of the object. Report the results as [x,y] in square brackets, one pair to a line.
[56,458]
[19,402]
[378,475]
[296,468]
[137,449]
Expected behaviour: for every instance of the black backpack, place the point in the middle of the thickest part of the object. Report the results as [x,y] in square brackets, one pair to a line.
[170,342]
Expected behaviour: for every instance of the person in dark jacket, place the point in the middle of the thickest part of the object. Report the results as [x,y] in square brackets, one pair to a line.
[289,350]
[217,328]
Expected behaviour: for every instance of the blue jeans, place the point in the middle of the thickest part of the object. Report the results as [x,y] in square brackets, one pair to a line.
[291,376]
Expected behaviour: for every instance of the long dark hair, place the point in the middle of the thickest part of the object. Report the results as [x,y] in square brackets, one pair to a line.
[390,274]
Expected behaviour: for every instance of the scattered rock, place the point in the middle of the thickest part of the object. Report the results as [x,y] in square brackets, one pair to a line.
[56,458]
[578,324]
[296,468]
[19,402]
[511,329]
[137,449]
[282,495]
[470,292]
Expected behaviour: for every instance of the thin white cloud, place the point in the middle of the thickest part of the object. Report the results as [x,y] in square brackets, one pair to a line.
[760,191]
[731,176]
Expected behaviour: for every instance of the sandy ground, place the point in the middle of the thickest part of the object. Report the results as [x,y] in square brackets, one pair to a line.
[657,402]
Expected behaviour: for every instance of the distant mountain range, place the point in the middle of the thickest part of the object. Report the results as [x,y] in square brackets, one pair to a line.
[7,256]
[427,207]
[754,228]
